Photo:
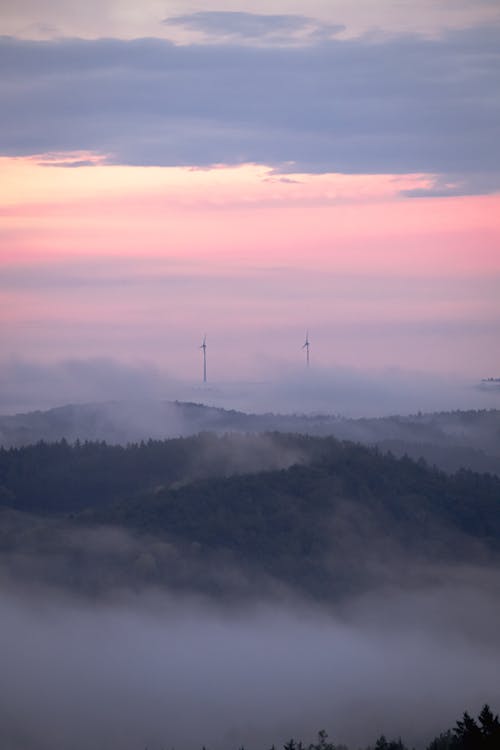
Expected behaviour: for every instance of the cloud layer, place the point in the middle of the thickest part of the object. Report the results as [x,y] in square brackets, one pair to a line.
[27,385]
[373,104]
[159,671]
[238,26]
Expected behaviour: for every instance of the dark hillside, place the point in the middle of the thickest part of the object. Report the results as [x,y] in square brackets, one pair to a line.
[62,477]
[448,439]
[327,525]
[318,515]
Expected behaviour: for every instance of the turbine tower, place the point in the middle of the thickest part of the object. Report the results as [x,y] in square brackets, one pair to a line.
[204,347]
[306,347]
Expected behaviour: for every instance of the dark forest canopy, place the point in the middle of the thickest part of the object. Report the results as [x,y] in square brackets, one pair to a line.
[375,554]
[319,515]
[448,439]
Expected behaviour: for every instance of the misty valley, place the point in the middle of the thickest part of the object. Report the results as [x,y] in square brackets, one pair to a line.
[235,580]
[250,375]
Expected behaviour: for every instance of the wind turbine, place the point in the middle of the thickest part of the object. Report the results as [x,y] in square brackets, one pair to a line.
[306,347]
[204,347]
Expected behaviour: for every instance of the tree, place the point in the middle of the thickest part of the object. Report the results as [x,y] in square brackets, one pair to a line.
[383,744]
[323,743]
[490,728]
[468,733]
[445,741]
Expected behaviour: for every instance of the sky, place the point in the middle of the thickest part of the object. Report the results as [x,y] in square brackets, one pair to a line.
[251,171]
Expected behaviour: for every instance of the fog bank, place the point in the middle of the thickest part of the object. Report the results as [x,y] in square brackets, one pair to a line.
[28,385]
[161,671]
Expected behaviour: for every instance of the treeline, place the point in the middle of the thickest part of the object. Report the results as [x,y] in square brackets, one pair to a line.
[482,733]
[337,516]
[448,439]
[61,477]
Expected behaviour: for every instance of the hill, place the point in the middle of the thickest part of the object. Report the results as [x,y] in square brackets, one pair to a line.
[450,440]
[235,513]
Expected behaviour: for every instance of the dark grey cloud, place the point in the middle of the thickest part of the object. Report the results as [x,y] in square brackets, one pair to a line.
[242,25]
[392,104]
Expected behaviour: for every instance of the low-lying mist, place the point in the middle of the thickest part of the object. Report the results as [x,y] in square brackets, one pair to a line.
[113,640]
[28,385]
[155,669]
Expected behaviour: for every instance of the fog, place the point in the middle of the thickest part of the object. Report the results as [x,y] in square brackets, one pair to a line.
[28,385]
[162,671]
[94,657]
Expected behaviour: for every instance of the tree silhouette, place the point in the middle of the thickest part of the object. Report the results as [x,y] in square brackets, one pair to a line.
[490,728]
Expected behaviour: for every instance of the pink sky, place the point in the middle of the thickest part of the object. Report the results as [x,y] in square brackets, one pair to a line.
[250,172]
[130,261]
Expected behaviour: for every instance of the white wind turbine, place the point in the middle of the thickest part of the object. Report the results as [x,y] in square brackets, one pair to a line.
[306,347]
[204,347]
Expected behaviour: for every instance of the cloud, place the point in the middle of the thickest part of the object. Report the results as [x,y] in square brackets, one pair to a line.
[120,18]
[455,184]
[395,104]
[239,25]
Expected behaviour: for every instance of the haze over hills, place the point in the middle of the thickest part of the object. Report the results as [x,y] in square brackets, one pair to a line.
[322,555]
[313,513]
[449,440]
[250,480]
[315,565]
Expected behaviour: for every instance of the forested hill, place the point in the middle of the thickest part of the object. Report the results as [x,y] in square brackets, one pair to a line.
[450,439]
[315,514]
